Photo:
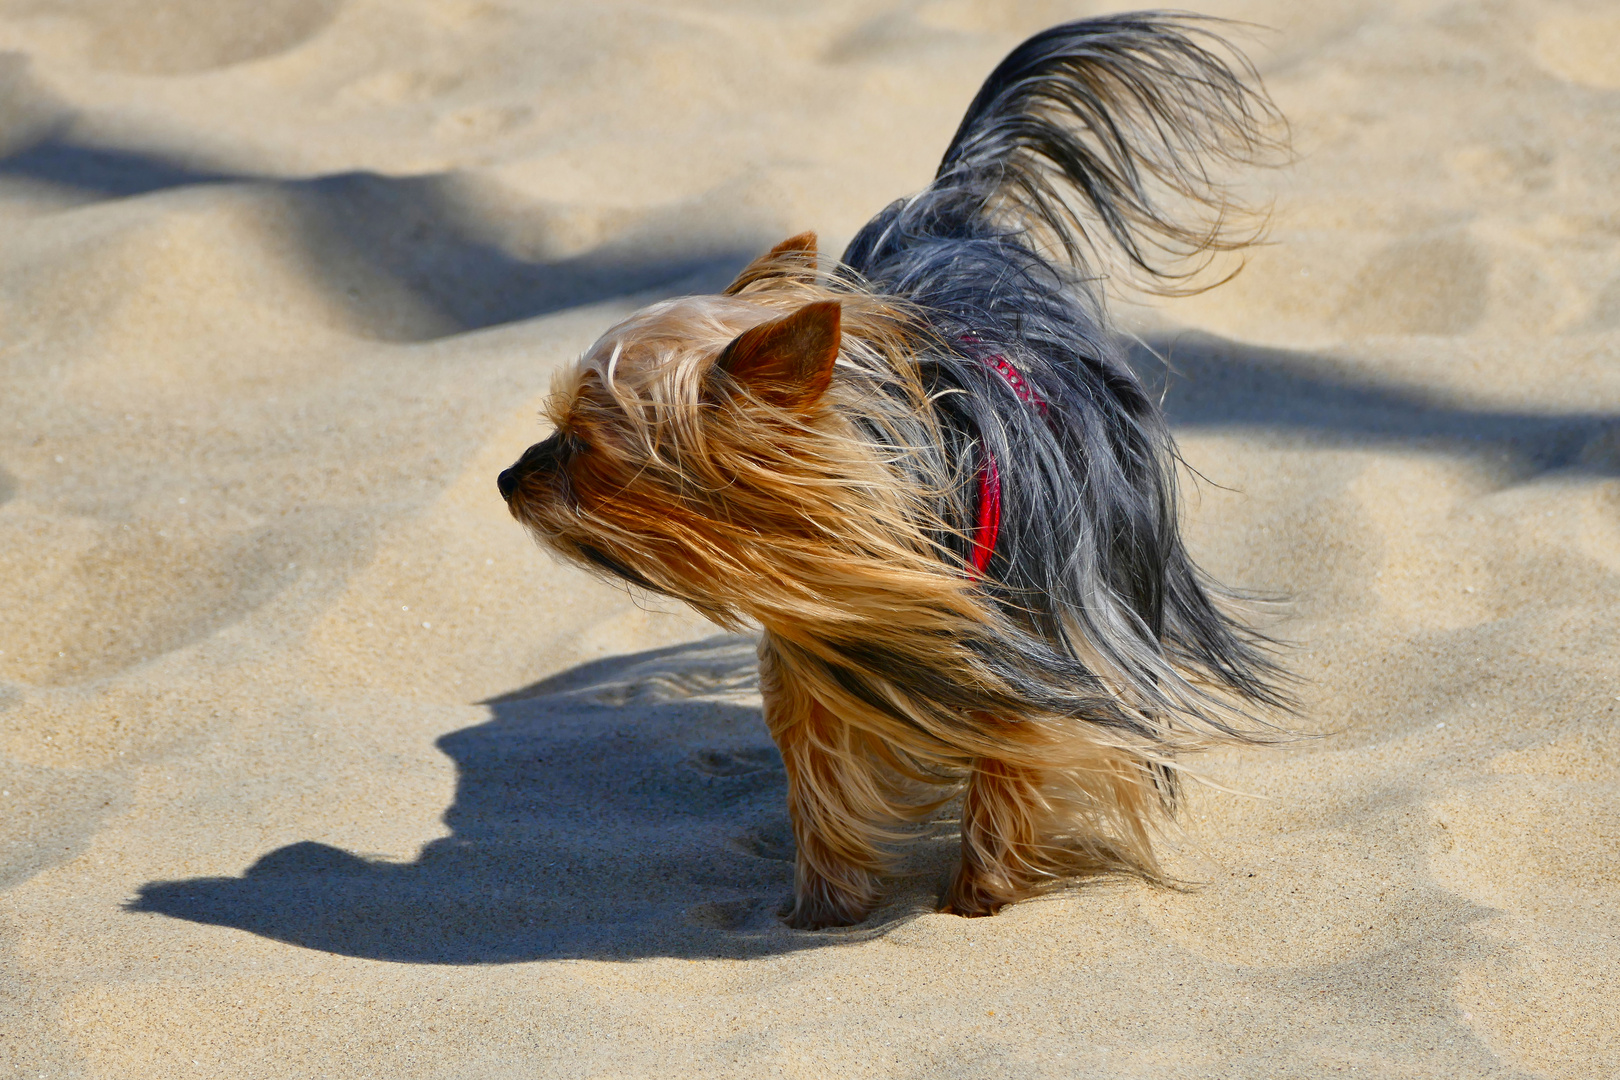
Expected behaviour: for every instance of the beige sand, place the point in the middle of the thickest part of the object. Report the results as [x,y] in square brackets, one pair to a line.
[311,765]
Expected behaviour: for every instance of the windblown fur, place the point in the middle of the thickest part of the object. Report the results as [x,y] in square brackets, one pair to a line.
[807,453]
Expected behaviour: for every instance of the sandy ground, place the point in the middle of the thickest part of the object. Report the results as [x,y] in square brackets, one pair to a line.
[312,765]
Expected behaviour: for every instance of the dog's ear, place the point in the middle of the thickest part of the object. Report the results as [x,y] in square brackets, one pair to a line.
[794,257]
[787,362]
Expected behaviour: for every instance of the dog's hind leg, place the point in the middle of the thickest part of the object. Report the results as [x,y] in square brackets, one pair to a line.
[1028,827]
[834,799]
[1003,817]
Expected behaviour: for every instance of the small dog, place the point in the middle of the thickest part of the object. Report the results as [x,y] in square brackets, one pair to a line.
[928,474]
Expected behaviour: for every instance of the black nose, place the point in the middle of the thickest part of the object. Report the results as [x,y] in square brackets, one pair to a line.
[507,482]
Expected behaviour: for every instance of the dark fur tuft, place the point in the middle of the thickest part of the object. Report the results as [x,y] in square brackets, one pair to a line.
[1140,115]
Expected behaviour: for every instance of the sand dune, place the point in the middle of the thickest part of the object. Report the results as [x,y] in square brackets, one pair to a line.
[310,763]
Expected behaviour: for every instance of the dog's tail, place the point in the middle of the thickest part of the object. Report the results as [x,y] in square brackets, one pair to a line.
[1141,114]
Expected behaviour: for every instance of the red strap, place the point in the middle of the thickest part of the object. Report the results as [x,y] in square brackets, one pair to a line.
[989,526]
[1015,379]
[989,523]
[1010,374]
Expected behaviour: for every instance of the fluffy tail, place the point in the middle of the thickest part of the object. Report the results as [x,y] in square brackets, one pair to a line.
[1141,114]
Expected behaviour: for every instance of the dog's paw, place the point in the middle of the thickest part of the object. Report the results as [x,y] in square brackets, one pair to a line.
[806,917]
[821,907]
[972,897]
[971,910]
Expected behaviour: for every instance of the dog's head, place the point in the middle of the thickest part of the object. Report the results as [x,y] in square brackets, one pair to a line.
[704,447]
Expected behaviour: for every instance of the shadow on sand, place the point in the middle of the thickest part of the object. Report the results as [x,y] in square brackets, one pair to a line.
[1210,383]
[631,807]
[435,236]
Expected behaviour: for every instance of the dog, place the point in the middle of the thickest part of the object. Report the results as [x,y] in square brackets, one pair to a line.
[927,474]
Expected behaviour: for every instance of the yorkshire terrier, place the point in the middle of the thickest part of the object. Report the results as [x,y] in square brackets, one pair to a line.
[928,474]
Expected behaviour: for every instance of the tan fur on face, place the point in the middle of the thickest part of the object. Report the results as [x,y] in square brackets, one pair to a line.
[754,512]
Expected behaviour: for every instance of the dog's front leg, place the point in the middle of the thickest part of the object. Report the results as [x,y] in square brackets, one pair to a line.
[837,860]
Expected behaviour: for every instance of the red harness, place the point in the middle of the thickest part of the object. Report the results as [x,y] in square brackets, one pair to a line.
[988,526]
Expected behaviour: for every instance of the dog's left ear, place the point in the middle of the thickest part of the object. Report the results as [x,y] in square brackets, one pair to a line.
[787,362]
[794,257]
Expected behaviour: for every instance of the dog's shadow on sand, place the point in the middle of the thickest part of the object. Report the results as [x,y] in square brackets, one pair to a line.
[631,807]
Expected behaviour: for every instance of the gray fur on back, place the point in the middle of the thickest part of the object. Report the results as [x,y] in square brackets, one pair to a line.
[1078,151]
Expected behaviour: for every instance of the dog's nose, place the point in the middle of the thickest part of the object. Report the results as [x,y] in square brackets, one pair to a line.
[507,482]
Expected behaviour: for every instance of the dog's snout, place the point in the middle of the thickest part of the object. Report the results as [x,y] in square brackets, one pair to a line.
[541,457]
[544,457]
